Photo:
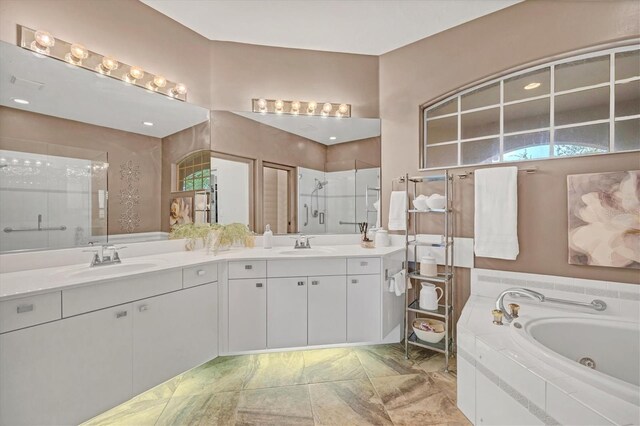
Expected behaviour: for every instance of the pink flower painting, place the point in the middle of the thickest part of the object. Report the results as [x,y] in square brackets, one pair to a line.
[604,219]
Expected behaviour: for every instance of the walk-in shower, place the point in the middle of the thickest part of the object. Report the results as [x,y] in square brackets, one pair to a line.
[336,199]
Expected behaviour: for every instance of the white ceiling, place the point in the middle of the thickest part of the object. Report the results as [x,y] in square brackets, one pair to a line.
[370,27]
[61,90]
[320,129]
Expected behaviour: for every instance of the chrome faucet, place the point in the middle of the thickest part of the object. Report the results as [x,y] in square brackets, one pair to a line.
[596,304]
[508,317]
[302,242]
[100,256]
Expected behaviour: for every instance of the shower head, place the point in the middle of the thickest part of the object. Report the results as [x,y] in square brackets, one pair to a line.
[320,185]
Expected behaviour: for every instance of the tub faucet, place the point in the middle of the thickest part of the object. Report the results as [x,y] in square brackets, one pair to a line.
[596,304]
[507,316]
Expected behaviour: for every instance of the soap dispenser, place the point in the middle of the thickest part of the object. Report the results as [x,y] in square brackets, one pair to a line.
[267,237]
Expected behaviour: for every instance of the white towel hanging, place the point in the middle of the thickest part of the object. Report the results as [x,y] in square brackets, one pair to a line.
[398,211]
[496,213]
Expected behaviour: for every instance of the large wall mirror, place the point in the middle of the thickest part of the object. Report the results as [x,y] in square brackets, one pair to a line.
[86,159]
[81,155]
[298,174]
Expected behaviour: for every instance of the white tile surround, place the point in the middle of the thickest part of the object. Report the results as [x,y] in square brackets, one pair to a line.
[499,381]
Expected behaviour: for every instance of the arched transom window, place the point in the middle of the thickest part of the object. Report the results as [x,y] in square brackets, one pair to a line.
[587,104]
[194,172]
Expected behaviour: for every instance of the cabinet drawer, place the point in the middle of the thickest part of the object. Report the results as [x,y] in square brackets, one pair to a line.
[248,269]
[307,267]
[363,265]
[28,311]
[200,274]
[101,295]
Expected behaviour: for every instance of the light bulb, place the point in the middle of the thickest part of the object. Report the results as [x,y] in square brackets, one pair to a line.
[262,105]
[279,105]
[135,73]
[532,86]
[178,90]
[343,108]
[327,107]
[76,54]
[158,82]
[295,107]
[107,65]
[311,107]
[43,42]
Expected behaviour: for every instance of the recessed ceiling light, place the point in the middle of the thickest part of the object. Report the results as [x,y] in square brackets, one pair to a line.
[333,138]
[532,86]
[147,123]
[20,101]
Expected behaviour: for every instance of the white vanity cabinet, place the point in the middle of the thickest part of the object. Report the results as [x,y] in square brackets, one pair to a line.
[173,333]
[302,302]
[71,369]
[247,314]
[327,310]
[66,371]
[286,312]
[363,308]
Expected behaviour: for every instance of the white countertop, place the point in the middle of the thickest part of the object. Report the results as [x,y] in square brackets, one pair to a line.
[44,280]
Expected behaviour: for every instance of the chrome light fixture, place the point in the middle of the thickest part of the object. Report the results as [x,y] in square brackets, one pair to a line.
[44,43]
[310,108]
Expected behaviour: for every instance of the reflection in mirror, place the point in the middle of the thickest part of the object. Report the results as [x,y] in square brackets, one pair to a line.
[231,186]
[312,174]
[88,154]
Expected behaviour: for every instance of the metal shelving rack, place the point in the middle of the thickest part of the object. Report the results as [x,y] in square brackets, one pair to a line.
[445,278]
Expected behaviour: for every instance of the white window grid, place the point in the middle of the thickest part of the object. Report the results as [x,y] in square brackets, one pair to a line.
[612,119]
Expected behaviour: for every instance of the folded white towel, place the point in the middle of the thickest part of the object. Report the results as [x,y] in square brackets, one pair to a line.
[496,213]
[398,283]
[398,211]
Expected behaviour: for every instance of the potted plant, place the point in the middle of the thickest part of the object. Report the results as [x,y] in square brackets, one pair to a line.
[191,232]
[215,237]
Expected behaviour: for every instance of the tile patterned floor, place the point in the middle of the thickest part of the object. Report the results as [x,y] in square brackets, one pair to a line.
[367,385]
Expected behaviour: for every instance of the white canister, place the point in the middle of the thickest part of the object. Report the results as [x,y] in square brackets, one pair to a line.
[382,238]
[428,266]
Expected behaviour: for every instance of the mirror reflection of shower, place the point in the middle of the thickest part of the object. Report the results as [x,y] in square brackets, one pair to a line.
[336,199]
[316,213]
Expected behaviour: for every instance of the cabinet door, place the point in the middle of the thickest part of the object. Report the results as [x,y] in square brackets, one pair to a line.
[363,308]
[247,315]
[327,310]
[286,312]
[173,333]
[66,371]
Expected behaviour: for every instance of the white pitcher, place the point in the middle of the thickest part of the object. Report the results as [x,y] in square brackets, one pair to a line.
[429,297]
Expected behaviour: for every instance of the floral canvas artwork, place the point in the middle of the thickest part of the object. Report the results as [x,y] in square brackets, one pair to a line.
[604,219]
[181,211]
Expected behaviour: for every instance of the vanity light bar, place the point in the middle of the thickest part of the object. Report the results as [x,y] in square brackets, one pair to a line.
[310,108]
[43,43]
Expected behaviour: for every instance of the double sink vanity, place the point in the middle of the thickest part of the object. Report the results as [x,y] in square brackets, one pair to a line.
[77,340]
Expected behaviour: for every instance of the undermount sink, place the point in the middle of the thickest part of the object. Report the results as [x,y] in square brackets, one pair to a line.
[105,270]
[307,252]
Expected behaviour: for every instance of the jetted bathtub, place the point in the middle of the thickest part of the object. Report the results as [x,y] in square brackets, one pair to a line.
[602,351]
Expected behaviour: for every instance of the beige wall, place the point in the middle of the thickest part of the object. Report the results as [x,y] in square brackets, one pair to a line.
[240,72]
[18,128]
[529,31]
[219,75]
[127,29]
[342,156]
